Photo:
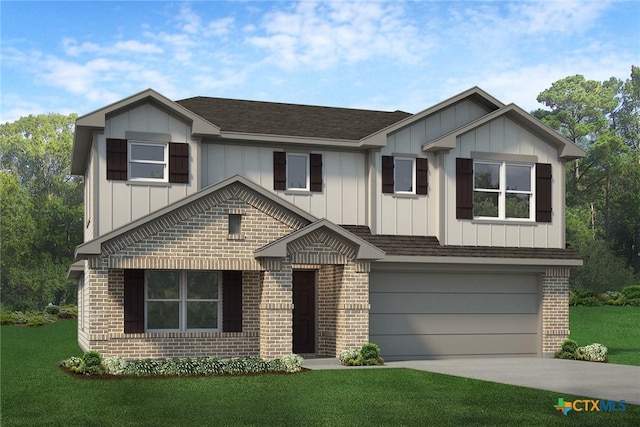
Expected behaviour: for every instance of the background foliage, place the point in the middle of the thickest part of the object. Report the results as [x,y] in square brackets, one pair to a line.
[603,189]
[42,211]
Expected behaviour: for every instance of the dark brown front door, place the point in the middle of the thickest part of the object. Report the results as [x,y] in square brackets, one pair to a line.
[304,312]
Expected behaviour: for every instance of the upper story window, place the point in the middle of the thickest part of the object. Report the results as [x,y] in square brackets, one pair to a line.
[183,300]
[503,190]
[488,189]
[148,161]
[143,161]
[404,175]
[297,171]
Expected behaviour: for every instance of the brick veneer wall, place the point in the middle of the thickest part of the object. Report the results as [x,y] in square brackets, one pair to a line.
[201,241]
[555,309]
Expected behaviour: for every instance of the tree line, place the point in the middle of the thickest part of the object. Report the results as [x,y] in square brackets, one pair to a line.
[41,218]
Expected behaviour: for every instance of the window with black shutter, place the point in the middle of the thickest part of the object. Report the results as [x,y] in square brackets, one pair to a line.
[147,161]
[297,171]
[404,175]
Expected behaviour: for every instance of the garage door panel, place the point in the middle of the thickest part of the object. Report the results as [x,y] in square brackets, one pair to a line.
[414,302]
[399,347]
[453,283]
[421,315]
[424,324]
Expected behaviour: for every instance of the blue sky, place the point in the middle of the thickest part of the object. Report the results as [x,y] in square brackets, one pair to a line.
[66,57]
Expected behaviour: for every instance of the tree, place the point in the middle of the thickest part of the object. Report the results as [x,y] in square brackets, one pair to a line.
[41,210]
[603,189]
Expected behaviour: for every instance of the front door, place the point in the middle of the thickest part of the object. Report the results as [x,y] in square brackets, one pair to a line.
[304,312]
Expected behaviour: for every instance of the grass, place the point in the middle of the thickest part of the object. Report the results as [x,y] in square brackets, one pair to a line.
[35,392]
[614,327]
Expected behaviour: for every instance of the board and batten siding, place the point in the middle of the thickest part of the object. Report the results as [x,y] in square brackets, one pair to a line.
[121,202]
[418,215]
[503,136]
[342,199]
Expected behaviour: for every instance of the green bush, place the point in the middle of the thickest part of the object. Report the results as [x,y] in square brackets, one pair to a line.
[92,358]
[567,350]
[68,312]
[8,318]
[593,353]
[348,355]
[52,310]
[631,292]
[39,320]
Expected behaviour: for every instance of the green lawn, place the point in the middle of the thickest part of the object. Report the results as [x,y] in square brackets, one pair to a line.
[617,328]
[34,392]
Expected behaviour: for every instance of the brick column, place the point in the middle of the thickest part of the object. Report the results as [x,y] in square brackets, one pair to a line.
[276,313]
[352,311]
[555,309]
[100,305]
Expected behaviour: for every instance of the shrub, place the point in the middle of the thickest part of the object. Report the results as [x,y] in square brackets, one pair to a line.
[92,358]
[8,318]
[632,295]
[291,363]
[567,350]
[593,353]
[114,365]
[38,320]
[52,309]
[68,312]
[348,355]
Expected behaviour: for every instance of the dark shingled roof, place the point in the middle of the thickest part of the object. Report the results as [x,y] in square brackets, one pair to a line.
[430,246]
[273,118]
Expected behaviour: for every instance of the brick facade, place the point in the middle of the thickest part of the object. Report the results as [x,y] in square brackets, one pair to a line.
[196,238]
[555,309]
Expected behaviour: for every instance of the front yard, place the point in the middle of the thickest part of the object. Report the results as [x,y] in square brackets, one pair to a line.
[35,392]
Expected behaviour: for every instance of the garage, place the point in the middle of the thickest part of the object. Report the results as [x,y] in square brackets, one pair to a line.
[435,314]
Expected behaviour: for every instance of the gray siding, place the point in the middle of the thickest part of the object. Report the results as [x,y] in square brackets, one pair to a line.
[436,314]
[121,202]
[342,200]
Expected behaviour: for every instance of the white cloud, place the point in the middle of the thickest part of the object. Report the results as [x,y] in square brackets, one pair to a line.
[134,46]
[322,35]
[557,16]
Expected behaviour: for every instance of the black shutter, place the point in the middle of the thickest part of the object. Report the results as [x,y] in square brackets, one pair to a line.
[279,170]
[387,174]
[543,192]
[315,173]
[232,301]
[422,183]
[179,163]
[117,159]
[133,301]
[464,188]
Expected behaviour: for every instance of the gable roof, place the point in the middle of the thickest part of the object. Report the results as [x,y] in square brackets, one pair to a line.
[567,150]
[272,118]
[95,121]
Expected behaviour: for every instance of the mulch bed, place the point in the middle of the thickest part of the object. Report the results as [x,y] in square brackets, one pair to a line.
[110,377]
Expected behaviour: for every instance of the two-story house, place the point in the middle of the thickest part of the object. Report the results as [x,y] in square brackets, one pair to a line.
[234,228]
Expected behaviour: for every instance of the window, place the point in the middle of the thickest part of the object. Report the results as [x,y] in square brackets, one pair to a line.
[235,223]
[297,171]
[502,190]
[147,161]
[404,175]
[182,300]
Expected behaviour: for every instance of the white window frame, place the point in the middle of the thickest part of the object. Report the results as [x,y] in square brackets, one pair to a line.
[131,161]
[413,175]
[183,302]
[503,191]
[307,175]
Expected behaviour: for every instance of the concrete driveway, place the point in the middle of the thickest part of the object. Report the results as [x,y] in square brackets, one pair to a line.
[604,381]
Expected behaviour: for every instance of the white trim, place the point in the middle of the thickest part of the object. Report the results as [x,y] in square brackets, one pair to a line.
[413,175]
[164,163]
[307,172]
[502,191]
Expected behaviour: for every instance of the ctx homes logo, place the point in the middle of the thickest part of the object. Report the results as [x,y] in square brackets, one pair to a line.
[590,406]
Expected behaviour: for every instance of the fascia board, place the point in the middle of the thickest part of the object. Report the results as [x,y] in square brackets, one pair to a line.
[482,260]
[94,247]
[289,140]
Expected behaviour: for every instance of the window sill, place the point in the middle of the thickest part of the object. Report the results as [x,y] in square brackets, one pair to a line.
[405,196]
[298,192]
[504,222]
[147,184]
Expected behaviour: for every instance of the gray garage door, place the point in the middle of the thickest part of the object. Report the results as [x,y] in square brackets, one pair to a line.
[431,315]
